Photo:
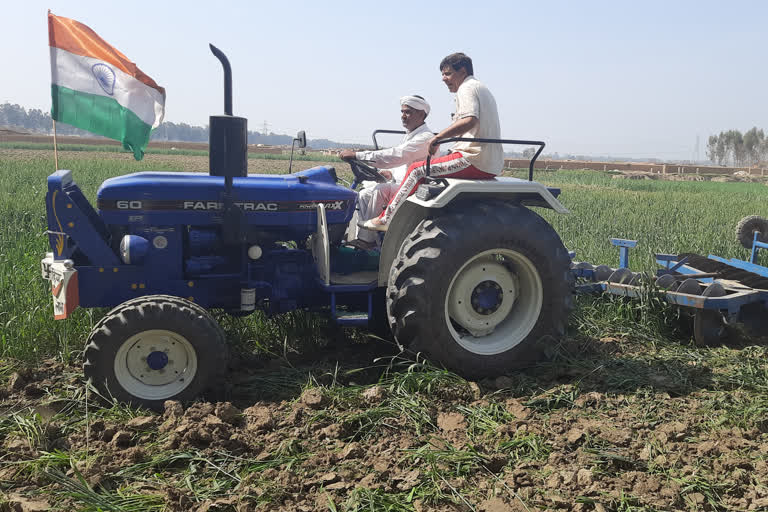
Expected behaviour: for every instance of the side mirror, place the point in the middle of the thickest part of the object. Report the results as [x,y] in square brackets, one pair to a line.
[301,138]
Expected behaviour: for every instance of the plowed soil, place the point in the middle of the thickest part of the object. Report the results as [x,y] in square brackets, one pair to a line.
[301,437]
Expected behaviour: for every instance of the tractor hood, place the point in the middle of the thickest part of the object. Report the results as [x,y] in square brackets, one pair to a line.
[166,198]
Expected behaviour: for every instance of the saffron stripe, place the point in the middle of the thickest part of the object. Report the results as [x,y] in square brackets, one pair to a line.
[101,115]
[77,72]
[74,37]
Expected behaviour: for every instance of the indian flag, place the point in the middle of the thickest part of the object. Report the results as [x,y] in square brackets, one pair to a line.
[96,88]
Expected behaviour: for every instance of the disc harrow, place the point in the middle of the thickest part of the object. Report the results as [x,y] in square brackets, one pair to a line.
[717,292]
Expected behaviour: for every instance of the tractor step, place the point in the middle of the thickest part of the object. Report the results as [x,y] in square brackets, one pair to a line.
[351,318]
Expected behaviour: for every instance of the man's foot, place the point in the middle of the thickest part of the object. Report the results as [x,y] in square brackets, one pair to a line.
[375,224]
[363,245]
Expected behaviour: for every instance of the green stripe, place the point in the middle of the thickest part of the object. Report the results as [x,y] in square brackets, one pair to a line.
[102,116]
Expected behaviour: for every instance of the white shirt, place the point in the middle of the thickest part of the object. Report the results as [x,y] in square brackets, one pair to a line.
[413,148]
[473,99]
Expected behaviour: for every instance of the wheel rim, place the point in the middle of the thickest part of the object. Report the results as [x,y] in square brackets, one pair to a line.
[155,364]
[493,301]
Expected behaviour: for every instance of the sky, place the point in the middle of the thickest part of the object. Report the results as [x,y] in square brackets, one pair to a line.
[628,79]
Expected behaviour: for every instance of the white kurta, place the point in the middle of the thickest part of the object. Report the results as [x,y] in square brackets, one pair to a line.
[412,148]
[373,197]
[473,99]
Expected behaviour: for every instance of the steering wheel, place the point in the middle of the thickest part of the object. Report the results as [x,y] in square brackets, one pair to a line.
[364,172]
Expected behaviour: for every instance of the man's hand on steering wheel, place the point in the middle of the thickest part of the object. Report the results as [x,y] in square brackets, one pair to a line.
[347,155]
[364,172]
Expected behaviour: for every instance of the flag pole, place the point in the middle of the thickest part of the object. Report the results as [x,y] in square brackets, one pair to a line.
[55,149]
[55,146]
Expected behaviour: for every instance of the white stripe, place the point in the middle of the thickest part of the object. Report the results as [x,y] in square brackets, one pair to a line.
[74,72]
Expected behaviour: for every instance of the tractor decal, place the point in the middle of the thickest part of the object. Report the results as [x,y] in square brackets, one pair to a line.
[197,205]
[59,237]
[329,205]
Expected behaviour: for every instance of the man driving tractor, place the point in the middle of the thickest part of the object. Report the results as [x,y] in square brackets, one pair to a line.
[392,164]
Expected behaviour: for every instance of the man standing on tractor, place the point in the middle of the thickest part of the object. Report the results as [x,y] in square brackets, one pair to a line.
[476,116]
[393,164]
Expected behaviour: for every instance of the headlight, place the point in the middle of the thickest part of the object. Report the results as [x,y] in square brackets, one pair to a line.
[133,249]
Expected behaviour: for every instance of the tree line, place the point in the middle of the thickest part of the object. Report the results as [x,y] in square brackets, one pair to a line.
[734,148]
[36,121]
[32,120]
[16,117]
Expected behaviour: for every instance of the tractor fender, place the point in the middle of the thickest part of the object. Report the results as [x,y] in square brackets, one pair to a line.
[415,209]
[527,193]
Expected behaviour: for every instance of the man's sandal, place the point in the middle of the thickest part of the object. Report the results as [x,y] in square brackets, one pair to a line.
[373,227]
[362,245]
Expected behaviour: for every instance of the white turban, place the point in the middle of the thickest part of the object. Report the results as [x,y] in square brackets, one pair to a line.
[415,102]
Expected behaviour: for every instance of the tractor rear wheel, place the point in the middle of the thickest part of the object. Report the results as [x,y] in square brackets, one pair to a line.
[155,348]
[480,292]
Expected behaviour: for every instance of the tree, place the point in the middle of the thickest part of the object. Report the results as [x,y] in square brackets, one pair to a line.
[13,115]
[753,140]
[713,146]
[763,152]
[717,149]
[732,148]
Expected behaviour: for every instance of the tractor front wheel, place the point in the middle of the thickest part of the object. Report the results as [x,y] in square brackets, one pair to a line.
[155,348]
[480,292]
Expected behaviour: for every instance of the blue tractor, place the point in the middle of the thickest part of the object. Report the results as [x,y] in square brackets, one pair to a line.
[467,273]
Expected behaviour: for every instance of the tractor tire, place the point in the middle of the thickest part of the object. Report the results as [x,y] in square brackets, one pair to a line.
[746,228]
[155,348]
[481,292]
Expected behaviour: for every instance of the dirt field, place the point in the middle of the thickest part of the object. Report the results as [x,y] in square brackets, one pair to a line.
[563,440]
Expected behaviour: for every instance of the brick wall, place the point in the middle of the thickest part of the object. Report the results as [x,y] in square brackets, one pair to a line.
[48,139]
[657,168]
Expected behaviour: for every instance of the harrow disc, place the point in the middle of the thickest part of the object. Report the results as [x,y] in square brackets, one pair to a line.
[666,282]
[602,272]
[690,286]
[620,276]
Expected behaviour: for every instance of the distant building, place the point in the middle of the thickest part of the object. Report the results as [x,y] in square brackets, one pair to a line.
[264,149]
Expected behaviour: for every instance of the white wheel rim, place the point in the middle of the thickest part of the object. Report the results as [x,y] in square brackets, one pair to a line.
[493,301]
[155,364]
